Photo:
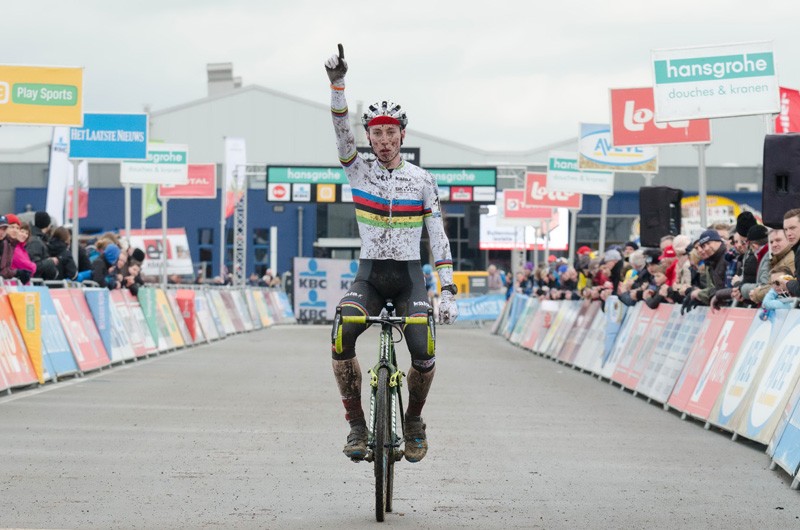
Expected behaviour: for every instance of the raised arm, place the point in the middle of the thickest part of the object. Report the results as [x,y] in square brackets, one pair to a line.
[336,68]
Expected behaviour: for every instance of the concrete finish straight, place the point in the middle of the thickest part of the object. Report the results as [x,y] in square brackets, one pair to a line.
[247,433]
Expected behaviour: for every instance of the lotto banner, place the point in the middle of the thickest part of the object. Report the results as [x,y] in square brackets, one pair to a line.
[674,348]
[775,384]
[753,354]
[319,285]
[15,365]
[57,353]
[133,332]
[80,329]
[187,309]
[690,374]
[180,321]
[26,309]
[720,362]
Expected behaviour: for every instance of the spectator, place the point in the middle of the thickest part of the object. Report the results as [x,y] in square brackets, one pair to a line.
[669,258]
[20,260]
[104,267]
[629,248]
[791,227]
[8,246]
[780,255]
[777,297]
[629,290]
[758,248]
[683,269]
[713,251]
[131,277]
[666,241]
[659,291]
[46,267]
[58,248]
[496,280]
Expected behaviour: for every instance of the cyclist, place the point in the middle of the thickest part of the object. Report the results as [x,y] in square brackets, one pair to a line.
[431,287]
[392,200]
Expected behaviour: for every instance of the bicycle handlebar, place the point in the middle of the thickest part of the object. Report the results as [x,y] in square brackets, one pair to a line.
[387,320]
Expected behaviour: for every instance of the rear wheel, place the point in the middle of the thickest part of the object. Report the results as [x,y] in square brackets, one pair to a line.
[383,444]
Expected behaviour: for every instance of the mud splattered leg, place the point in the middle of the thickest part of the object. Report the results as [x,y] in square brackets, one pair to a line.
[419,383]
[348,377]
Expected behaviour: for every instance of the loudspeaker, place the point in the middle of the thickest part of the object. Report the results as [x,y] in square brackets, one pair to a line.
[781,184]
[659,214]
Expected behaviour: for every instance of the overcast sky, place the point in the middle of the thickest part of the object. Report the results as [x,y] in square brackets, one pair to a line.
[495,75]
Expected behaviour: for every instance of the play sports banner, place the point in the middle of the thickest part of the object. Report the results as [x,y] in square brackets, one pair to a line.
[16,368]
[26,310]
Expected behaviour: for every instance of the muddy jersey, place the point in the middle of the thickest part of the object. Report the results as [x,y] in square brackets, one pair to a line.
[391,206]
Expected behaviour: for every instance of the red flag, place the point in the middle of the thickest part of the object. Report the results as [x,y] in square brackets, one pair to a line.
[789,118]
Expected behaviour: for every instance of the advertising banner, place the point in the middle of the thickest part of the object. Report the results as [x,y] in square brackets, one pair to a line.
[149,310]
[755,351]
[515,209]
[80,329]
[787,450]
[15,364]
[538,194]
[179,257]
[56,350]
[520,316]
[180,322]
[595,151]
[775,384]
[618,333]
[135,309]
[563,326]
[564,175]
[133,332]
[591,348]
[539,325]
[59,175]
[250,300]
[187,309]
[235,174]
[109,326]
[629,367]
[674,347]
[240,306]
[788,120]
[495,236]
[27,311]
[207,317]
[720,361]
[715,81]
[170,323]
[41,95]
[583,321]
[165,164]
[110,137]
[231,311]
[633,122]
[220,311]
[319,286]
[718,210]
[202,184]
[486,307]
[262,308]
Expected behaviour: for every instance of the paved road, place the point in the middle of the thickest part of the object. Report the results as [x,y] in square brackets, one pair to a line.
[247,433]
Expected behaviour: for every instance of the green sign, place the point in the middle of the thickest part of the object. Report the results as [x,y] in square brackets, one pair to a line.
[716,68]
[44,94]
[305,175]
[465,177]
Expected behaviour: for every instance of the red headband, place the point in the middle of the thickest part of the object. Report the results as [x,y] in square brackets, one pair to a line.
[383,120]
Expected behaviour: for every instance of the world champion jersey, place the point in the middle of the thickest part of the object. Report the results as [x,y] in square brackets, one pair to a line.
[391,206]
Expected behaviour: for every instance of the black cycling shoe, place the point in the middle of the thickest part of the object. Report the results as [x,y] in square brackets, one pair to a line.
[356,447]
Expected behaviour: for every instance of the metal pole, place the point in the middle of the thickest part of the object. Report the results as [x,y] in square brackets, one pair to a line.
[603,218]
[299,232]
[273,249]
[702,193]
[222,233]
[164,204]
[128,211]
[75,200]
[573,229]
[546,234]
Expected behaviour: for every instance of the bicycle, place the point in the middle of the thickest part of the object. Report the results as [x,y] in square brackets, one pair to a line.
[383,443]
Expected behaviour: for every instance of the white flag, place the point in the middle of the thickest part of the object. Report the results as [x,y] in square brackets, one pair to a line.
[60,175]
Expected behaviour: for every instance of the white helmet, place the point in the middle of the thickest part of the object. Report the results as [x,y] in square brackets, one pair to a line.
[384,112]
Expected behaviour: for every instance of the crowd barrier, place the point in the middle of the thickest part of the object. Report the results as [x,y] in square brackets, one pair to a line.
[48,334]
[736,369]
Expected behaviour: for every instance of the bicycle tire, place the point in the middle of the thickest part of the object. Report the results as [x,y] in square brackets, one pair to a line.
[392,449]
[382,451]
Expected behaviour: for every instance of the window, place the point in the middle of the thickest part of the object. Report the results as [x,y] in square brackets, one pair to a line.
[205,244]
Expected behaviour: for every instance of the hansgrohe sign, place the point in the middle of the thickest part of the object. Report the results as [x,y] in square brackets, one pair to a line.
[715,81]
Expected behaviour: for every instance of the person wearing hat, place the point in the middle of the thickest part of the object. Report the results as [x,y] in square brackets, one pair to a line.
[20,231]
[614,268]
[780,255]
[46,265]
[753,273]
[712,249]
[629,248]
[8,245]
[104,267]
[791,228]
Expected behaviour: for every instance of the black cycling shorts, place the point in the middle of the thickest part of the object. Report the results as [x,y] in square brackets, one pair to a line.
[376,280]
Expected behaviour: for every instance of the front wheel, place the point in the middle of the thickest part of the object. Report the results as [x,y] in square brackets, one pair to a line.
[383,444]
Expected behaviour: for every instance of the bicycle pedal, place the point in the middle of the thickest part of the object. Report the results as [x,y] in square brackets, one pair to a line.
[370,456]
[398,455]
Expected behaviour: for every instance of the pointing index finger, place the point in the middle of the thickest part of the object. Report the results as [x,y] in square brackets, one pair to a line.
[341,51]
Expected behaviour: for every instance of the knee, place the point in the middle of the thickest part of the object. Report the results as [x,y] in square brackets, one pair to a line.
[424,365]
[343,337]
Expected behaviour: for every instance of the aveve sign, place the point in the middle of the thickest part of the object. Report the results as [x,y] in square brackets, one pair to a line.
[633,122]
[536,194]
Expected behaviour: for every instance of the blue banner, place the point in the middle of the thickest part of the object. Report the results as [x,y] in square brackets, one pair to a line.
[55,347]
[486,307]
[99,302]
[110,137]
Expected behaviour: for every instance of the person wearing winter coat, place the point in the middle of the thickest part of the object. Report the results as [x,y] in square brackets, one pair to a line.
[104,267]
[59,249]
